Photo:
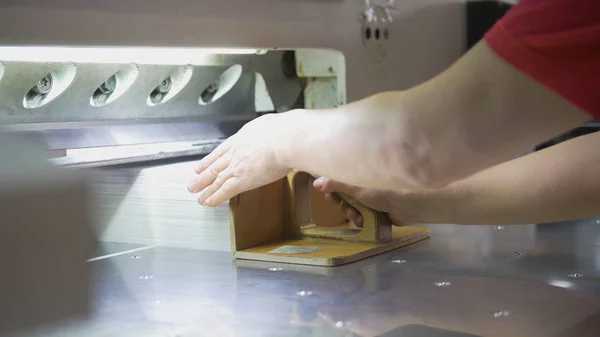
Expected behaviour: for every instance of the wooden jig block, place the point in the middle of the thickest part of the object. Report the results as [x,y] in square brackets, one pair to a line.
[288,221]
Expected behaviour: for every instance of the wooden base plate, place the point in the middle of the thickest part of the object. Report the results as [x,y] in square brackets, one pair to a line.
[321,252]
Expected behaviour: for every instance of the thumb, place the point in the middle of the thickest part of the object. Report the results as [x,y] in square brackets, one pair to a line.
[327,185]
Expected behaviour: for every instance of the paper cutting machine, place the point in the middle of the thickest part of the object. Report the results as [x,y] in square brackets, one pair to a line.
[125,93]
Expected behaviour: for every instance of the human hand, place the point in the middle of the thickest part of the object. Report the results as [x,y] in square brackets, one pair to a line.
[245,161]
[397,205]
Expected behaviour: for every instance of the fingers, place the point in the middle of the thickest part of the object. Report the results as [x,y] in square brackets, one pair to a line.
[327,185]
[222,194]
[209,159]
[330,187]
[209,175]
[220,183]
[350,212]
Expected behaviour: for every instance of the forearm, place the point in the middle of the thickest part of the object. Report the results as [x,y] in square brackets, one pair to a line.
[556,184]
[350,145]
[478,113]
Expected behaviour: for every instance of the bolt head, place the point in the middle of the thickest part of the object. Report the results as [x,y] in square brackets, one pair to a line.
[164,86]
[109,86]
[44,85]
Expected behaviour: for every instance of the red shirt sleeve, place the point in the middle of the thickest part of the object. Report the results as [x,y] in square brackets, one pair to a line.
[557,43]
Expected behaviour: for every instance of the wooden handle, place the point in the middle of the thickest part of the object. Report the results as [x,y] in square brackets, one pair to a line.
[377,224]
[377,227]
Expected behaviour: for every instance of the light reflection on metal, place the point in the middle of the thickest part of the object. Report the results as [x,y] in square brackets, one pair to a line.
[144,55]
[377,11]
[561,284]
[501,313]
[304,293]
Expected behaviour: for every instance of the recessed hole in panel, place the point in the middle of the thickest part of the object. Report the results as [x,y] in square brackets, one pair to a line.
[170,86]
[221,86]
[114,86]
[50,86]
[262,99]
[368,33]
[305,212]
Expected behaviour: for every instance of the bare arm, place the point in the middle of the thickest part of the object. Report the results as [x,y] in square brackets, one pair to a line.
[555,184]
[479,112]
[558,183]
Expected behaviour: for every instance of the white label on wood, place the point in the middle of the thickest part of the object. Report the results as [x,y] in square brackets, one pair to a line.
[295,250]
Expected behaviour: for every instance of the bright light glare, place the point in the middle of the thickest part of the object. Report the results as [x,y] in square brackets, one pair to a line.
[561,284]
[142,55]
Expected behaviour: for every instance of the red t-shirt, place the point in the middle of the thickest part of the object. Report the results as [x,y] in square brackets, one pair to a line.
[557,43]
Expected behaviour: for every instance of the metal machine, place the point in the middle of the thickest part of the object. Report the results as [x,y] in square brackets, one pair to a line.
[105,106]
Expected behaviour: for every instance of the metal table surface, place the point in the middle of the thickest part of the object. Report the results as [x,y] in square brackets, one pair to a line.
[530,281]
